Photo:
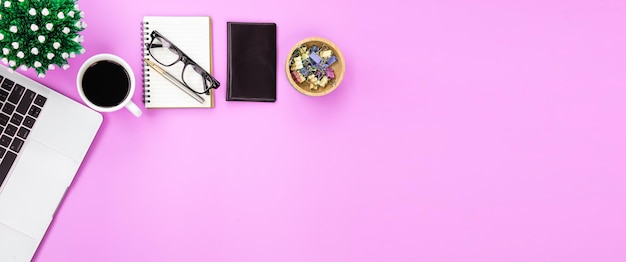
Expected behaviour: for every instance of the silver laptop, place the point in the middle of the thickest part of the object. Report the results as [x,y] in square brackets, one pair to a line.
[44,137]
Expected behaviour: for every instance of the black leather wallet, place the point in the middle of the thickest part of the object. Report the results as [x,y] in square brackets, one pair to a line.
[251,62]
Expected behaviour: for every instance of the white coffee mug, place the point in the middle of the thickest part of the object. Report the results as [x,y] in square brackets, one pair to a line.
[102,85]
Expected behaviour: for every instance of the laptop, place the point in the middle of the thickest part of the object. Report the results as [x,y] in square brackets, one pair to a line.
[44,137]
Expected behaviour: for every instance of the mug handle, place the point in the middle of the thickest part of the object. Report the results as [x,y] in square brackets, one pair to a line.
[134,109]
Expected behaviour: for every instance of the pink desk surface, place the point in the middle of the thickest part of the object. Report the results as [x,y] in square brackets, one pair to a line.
[463,131]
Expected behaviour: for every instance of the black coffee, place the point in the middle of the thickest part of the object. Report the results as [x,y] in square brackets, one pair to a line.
[106,83]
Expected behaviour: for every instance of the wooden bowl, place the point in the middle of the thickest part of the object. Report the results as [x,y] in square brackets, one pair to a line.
[339,67]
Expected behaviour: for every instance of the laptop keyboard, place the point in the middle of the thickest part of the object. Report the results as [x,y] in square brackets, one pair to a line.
[19,109]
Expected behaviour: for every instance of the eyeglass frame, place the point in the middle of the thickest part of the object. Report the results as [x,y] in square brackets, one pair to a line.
[186,60]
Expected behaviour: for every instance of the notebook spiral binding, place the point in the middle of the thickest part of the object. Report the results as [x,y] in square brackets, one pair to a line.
[145,40]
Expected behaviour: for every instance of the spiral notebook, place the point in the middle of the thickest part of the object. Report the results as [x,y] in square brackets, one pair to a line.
[192,34]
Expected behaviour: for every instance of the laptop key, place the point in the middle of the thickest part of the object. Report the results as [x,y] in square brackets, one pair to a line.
[17,119]
[10,130]
[7,85]
[4,119]
[5,141]
[29,96]
[28,121]
[40,100]
[3,95]
[6,164]
[8,108]
[2,151]
[17,145]
[23,132]
[34,111]
[16,94]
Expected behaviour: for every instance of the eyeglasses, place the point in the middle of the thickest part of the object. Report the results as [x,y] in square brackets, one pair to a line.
[194,77]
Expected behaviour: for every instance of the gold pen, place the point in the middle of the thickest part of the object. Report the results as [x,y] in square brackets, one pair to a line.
[174,81]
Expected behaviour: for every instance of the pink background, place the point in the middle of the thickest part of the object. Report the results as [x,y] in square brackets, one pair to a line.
[463,131]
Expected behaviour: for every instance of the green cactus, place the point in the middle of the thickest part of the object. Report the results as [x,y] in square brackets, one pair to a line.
[40,34]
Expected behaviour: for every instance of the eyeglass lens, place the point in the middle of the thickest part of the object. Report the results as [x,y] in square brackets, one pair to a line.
[164,53]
